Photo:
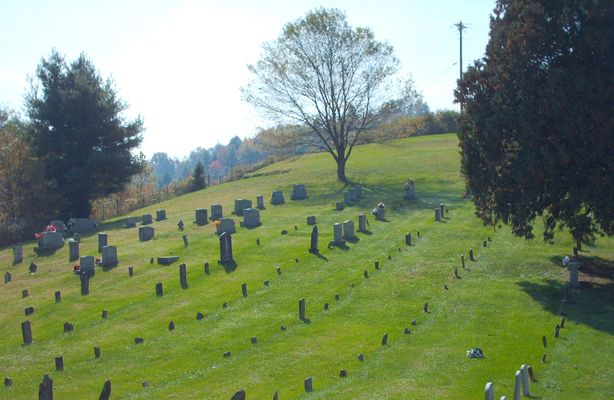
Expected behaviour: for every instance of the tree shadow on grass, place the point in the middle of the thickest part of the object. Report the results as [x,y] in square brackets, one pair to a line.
[594,300]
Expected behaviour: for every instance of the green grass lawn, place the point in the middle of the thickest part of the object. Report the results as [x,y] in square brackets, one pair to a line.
[503,303]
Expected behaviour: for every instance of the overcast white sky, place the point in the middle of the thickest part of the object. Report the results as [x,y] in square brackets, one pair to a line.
[181,64]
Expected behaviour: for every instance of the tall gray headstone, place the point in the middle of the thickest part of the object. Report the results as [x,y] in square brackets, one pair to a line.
[85,284]
[201,216]
[159,289]
[260,202]
[240,395]
[526,391]
[314,240]
[251,217]
[348,230]
[301,310]
[309,384]
[109,256]
[362,223]
[489,391]
[226,248]
[408,238]
[216,211]
[73,250]
[347,198]
[517,384]
[105,394]
[26,332]
[573,274]
[17,254]
[183,278]
[45,389]
[437,214]
[244,289]
[242,204]
[160,215]
[103,240]
[277,197]
[442,210]
[410,190]
[299,192]
[338,233]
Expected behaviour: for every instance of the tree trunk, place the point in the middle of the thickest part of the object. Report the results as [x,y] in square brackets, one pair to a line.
[341,170]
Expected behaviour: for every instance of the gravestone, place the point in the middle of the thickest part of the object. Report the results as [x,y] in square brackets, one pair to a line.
[26,332]
[85,284]
[59,363]
[360,358]
[260,202]
[385,339]
[471,256]
[410,190]
[207,268]
[146,219]
[314,240]
[96,352]
[73,250]
[343,373]
[29,311]
[251,218]
[309,385]
[573,274]
[185,240]
[45,389]
[456,275]
[159,289]
[139,340]
[311,220]
[8,381]
[437,214]
[225,248]
[301,310]
[354,195]
[240,395]
[81,225]
[171,326]
[103,240]
[517,384]
[299,192]
[130,222]
[376,264]
[146,233]
[277,197]
[216,212]
[183,279]
[244,289]
[166,260]
[408,239]
[347,198]
[33,268]
[105,394]
[105,314]
[254,340]
[463,261]
[225,225]
[7,277]
[68,327]
[442,210]
[109,256]
[58,296]
[426,307]
[338,234]
[348,230]
[180,225]
[76,237]
[545,341]
[200,316]
[17,254]
[362,223]
[380,212]
[526,391]
[50,240]
[24,293]
[339,206]
[489,391]
[242,204]
[160,215]
[200,215]
[130,271]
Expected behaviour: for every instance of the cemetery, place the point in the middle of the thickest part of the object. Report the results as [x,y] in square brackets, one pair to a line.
[352,302]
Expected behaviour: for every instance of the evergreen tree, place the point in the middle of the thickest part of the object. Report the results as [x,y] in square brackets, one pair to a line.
[198,177]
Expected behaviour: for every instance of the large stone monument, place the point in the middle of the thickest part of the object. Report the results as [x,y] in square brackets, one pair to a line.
[277,197]
[242,204]
[225,225]
[251,218]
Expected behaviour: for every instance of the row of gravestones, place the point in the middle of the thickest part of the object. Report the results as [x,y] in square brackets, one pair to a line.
[26,330]
[45,388]
[521,381]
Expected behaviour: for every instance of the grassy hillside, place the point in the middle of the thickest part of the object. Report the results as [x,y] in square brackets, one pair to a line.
[503,303]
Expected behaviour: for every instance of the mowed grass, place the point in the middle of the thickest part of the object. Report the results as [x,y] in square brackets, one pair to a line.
[503,303]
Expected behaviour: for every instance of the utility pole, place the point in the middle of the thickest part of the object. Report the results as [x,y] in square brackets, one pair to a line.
[461,27]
